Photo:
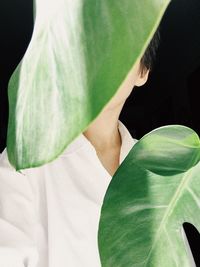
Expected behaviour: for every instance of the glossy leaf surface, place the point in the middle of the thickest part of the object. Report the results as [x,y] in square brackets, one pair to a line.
[80,53]
[154,191]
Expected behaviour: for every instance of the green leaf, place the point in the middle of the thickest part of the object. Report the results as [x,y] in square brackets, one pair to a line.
[154,191]
[79,55]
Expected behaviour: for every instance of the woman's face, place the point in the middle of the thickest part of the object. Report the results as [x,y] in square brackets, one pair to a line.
[134,78]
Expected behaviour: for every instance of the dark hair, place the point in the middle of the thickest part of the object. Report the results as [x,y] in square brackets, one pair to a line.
[148,59]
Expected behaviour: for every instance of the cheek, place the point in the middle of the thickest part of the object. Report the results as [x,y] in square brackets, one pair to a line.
[123,93]
[120,97]
[125,88]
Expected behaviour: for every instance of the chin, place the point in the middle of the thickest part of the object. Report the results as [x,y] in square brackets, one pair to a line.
[114,106]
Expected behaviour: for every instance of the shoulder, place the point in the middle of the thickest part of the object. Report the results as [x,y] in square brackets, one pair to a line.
[6,167]
[17,215]
[30,181]
[12,180]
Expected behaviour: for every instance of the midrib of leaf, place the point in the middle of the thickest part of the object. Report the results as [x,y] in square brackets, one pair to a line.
[168,237]
[167,139]
[173,202]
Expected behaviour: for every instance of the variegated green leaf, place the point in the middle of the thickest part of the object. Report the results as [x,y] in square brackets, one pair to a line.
[79,55]
[154,191]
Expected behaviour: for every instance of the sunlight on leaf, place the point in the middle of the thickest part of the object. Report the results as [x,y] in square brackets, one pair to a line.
[154,191]
[80,53]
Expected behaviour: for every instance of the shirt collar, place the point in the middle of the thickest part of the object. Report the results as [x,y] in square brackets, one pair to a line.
[127,141]
[82,141]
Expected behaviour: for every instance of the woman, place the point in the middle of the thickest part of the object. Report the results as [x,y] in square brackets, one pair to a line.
[49,215]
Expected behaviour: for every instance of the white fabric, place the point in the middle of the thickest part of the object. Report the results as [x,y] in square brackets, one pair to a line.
[49,215]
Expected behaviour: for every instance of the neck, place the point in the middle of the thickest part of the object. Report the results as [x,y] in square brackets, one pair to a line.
[103,132]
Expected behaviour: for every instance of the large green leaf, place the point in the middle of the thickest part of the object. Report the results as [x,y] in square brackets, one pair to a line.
[154,191]
[79,54]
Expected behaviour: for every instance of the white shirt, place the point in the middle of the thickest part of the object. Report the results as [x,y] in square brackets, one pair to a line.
[49,215]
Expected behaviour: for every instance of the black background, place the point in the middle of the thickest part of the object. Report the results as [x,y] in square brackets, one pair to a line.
[169,97]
